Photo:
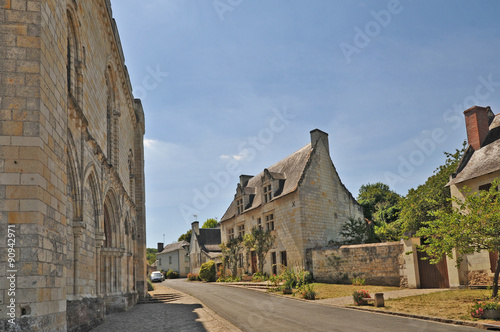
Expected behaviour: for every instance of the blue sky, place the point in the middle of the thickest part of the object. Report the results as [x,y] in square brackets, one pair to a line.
[230,87]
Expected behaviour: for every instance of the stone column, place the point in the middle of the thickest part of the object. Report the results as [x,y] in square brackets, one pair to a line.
[411,262]
[78,228]
[99,242]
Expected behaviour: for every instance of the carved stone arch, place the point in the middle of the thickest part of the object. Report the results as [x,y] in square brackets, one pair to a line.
[74,58]
[111,212]
[92,199]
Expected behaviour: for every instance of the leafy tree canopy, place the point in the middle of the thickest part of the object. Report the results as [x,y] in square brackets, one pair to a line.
[378,202]
[151,255]
[430,196]
[185,237]
[210,223]
[473,226]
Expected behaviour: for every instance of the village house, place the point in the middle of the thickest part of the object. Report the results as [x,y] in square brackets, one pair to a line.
[174,256]
[478,168]
[300,199]
[71,167]
[204,246]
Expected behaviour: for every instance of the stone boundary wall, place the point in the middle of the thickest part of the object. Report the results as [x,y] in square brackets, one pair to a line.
[378,263]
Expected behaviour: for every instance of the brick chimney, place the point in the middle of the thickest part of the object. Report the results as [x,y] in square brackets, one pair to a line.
[160,247]
[477,125]
[317,135]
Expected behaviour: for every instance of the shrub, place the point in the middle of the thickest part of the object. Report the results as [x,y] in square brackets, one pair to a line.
[171,274]
[303,278]
[307,292]
[192,277]
[358,281]
[478,309]
[150,286]
[207,271]
[359,295]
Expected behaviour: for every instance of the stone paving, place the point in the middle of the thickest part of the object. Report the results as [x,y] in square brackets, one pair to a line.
[178,312]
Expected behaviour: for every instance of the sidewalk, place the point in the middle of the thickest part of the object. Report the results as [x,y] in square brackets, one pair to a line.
[179,312]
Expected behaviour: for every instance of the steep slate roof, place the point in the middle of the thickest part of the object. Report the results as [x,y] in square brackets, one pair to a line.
[209,239]
[174,246]
[289,169]
[484,161]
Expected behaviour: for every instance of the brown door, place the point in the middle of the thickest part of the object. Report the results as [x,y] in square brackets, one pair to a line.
[432,275]
[254,262]
[273,262]
[493,260]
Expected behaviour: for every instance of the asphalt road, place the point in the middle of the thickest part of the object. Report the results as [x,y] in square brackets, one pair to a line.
[255,311]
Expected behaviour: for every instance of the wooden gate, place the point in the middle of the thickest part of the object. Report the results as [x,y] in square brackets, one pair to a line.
[254,262]
[432,275]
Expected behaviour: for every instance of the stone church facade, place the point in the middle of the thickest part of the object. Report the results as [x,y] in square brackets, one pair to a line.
[300,199]
[71,167]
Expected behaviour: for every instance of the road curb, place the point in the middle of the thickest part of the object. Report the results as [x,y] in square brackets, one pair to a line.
[393,313]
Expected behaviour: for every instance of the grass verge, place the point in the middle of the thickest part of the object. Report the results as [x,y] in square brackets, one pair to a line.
[328,291]
[452,304]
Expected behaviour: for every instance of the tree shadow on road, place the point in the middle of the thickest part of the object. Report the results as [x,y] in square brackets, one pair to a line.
[155,317]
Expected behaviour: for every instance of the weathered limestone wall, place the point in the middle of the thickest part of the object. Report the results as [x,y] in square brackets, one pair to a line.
[327,204]
[70,148]
[378,263]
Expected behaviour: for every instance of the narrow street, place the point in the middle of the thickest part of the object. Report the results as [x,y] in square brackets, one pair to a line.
[255,311]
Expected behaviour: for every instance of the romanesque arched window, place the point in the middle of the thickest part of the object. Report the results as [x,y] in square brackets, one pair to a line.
[73,68]
[131,162]
[107,226]
[112,115]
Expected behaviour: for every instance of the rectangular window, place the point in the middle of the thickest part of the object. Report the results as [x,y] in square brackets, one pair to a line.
[270,222]
[230,233]
[239,205]
[273,263]
[283,258]
[267,193]
[186,258]
[169,259]
[186,270]
[259,223]
[241,230]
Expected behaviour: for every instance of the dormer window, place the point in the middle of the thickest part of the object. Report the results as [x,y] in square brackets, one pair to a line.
[239,205]
[268,195]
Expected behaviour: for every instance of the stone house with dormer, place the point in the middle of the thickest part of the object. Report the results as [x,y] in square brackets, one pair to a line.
[300,199]
[479,166]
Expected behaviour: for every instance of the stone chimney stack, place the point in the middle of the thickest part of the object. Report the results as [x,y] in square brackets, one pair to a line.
[317,135]
[195,226]
[477,120]
[244,180]
[160,247]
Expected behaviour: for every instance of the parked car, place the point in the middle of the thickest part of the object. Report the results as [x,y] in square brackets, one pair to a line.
[157,276]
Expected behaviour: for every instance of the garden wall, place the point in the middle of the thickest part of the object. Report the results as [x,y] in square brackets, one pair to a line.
[377,263]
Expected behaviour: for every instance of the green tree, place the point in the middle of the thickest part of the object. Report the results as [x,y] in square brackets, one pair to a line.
[151,255]
[356,231]
[471,227]
[261,241]
[230,252]
[433,195]
[210,223]
[185,237]
[379,202]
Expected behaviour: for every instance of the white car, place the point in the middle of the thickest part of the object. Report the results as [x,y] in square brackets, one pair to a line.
[157,276]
